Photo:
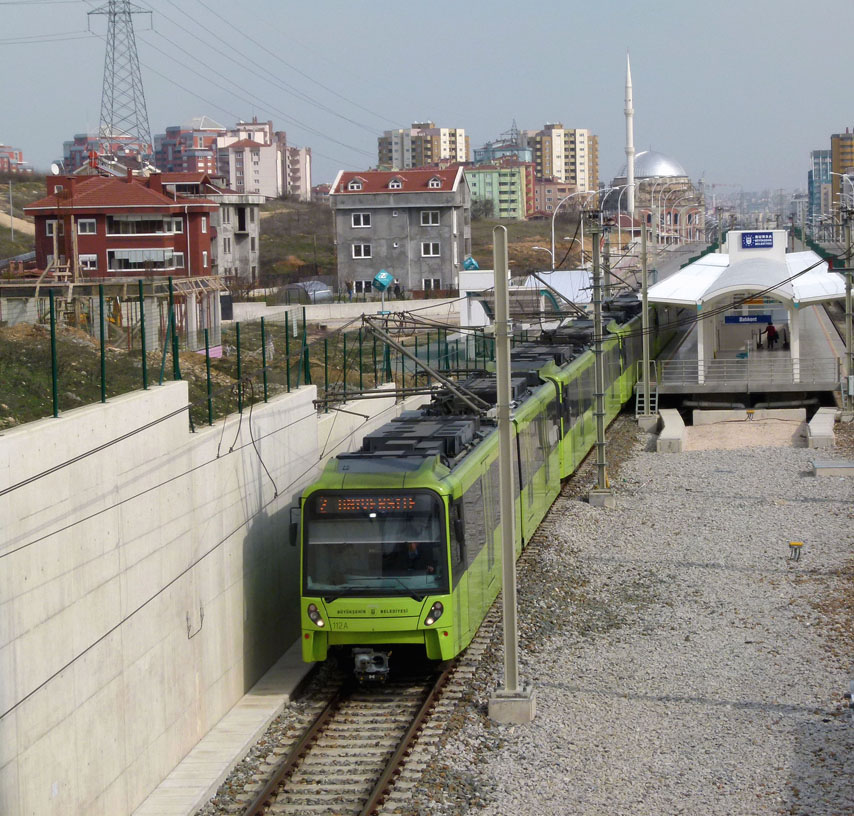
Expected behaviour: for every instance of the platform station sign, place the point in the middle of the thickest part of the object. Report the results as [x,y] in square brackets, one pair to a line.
[757,240]
[751,318]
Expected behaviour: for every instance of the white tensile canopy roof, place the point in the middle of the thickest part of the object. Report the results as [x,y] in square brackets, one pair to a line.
[573,284]
[712,276]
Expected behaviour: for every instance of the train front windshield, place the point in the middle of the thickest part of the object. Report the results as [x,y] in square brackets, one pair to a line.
[388,543]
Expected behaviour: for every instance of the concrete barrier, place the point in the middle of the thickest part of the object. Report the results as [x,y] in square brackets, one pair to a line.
[672,434]
[146,583]
[820,429]
[832,467]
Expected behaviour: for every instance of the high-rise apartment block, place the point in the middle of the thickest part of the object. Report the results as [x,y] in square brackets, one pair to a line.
[569,155]
[507,184]
[188,148]
[841,160]
[818,183]
[422,145]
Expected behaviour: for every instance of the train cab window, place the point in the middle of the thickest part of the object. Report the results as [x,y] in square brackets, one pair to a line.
[458,542]
[378,543]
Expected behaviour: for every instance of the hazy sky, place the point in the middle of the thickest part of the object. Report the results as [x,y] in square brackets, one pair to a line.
[738,91]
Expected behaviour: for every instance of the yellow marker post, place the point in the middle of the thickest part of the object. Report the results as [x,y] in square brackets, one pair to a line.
[795,550]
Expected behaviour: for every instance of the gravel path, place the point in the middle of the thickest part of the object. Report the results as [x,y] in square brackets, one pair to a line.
[682,663]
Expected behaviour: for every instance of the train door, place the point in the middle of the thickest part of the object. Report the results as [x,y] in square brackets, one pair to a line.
[475,535]
[456,527]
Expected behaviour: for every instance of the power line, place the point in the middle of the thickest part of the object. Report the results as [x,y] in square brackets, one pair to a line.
[262,72]
[281,113]
[293,67]
[44,38]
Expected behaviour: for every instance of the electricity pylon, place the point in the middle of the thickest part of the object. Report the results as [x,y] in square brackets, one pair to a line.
[124,116]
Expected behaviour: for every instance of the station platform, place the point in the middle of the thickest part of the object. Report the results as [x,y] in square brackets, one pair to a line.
[818,369]
[196,778]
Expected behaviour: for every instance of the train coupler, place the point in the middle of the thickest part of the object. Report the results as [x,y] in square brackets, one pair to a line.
[370,666]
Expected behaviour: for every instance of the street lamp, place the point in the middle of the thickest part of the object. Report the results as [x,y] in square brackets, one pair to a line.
[619,225]
[662,198]
[554,214]
[664,212]
[653,179]
[672,208]
[846,177]
[551,254]
[653,210]
[581,219]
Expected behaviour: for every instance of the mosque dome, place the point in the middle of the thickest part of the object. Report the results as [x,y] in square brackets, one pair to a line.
[649,163]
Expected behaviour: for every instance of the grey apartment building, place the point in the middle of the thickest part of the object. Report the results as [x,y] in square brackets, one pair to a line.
[415,224]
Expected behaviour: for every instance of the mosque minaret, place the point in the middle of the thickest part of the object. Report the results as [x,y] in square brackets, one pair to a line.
[630,142]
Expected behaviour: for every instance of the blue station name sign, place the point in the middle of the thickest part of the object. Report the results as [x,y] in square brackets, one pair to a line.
[757,240]
[752,318]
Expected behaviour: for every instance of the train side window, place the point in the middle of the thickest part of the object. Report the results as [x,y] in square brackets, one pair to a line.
[553,424]
[566,406]
[492,501]
[475,520]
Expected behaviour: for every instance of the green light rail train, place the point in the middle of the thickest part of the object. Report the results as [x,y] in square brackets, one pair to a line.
[401,540]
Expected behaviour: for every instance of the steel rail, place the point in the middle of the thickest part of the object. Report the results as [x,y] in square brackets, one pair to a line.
[393,768]
[285,768]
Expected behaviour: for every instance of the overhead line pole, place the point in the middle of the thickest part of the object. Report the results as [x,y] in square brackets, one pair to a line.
[601,495]
[511,704]
[646,421]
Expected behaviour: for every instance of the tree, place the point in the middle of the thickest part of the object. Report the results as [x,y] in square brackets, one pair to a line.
[482,208]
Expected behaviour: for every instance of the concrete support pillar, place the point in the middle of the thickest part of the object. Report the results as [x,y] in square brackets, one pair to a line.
[216,320]
[152,323]
[204,312]
[795,341]
[701,345]
[192,322]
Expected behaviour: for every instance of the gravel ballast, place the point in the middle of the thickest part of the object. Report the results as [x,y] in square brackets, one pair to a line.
[682,662]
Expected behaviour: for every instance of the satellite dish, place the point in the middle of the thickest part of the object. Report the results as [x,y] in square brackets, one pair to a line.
[55,168]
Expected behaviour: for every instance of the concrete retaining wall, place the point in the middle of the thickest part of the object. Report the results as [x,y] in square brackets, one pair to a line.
[144,588]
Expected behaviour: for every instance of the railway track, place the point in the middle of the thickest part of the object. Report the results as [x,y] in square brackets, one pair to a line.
[347,760]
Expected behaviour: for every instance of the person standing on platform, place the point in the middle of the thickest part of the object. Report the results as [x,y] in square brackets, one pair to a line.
[771,336]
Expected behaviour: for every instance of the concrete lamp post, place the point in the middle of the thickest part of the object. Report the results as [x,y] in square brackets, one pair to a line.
[554,214]
[551,254]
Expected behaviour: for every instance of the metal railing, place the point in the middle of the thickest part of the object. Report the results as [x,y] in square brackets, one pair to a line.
[756,372]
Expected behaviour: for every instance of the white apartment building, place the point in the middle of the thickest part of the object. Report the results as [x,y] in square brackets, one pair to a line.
[421,145]
[298,172]
[570,155]
[256,159]
[252,167]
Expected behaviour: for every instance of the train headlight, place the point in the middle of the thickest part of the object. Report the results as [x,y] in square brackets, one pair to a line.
[435,613]
[315,616]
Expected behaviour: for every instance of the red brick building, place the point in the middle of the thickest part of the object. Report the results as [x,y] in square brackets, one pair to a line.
[108,226]
[12,160]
